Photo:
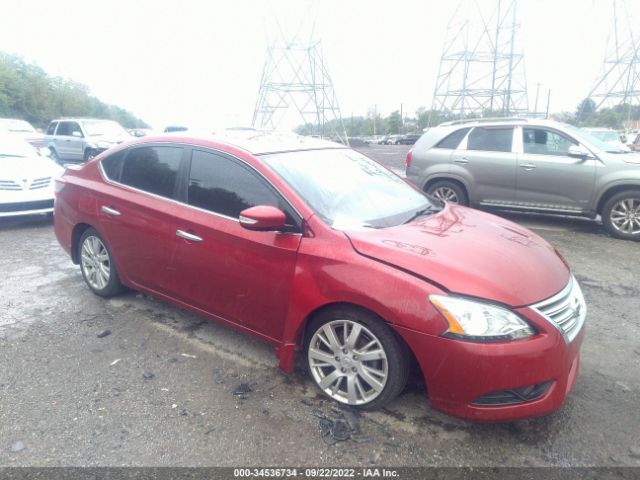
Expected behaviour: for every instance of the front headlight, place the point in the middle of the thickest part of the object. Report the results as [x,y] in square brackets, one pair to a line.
[477,321]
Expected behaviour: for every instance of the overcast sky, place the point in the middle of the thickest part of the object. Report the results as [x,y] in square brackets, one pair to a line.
[199,62]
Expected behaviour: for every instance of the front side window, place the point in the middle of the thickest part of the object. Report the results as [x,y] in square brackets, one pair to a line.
[153,169]
[67,128]
[491,139]
[348,190]
[540,141]
[221,185]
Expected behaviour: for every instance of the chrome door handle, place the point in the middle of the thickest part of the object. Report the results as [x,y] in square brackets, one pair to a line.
[462,160]
[110,211]
[528,166]
[188,236]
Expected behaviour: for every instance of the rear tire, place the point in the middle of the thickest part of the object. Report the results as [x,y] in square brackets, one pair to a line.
[448,191]
[355,358]
[621,215]
[97,266]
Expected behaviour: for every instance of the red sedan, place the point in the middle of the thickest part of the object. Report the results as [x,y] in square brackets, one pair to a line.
[315,248]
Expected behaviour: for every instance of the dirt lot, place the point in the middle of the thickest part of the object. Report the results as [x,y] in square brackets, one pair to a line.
[159,388]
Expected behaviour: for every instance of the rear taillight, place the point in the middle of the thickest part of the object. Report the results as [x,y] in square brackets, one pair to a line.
[59,185]
[407,161]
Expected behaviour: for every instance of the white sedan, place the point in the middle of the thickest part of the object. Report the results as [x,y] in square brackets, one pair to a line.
[26,178]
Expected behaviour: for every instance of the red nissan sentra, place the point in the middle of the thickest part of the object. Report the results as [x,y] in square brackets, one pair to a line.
[315,248]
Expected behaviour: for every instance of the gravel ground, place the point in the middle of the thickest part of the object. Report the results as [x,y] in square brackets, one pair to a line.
[158,388]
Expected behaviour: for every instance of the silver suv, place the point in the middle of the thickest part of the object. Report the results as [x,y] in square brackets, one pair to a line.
[81,139]
[532,165]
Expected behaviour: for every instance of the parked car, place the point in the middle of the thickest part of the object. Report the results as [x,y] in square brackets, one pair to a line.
[530,165]
[408,139]
[313,247]
[609,136]
[386,140]
[26,178]
[81,139]
[635,142]
[24,130]
[175,128]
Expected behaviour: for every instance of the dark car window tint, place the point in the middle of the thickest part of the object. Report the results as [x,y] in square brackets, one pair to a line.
[223,186]
[64,128]
[539,141]
[152,169]
[52,128]
[490,139]
[113,164]
[453,140]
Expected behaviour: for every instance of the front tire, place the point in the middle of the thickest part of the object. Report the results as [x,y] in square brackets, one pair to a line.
[54,156]
[96,263]
[355,358]
[89,154]
[621,215]
[448,191]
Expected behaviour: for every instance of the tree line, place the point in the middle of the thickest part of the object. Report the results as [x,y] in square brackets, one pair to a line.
[373,123]
[29,93]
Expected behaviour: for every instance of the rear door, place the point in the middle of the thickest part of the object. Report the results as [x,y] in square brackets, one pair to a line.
[220,267]
[486,157]
[548,178]
[137,211]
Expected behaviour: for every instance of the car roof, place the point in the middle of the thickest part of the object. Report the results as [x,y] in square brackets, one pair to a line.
[256,142]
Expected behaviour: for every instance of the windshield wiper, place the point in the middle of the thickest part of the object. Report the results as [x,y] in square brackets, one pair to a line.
[421,213]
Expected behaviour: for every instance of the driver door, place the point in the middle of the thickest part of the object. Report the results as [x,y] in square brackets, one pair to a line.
[547,177]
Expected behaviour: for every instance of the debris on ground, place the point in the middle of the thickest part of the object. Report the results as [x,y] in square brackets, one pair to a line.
[340,426]
[188,355]
[17,446]
[147,375]
[104,333]
[634,452]
[114,362]
[242,390]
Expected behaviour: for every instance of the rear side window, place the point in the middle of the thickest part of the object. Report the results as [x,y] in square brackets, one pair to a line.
[152,169]
[453,139]
[221,185]
[491,139]
[51,128]
[112,165]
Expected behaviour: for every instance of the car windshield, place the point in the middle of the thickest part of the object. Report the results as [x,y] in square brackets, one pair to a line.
[96,128]
[593,140]
[18,126]
[348,190]
[11,147]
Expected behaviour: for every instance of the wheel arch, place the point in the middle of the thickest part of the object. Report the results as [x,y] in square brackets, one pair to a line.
[614,190]
[76,234]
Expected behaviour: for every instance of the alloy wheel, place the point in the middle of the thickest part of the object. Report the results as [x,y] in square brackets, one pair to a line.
[96,263]
[625,216]
[348,362]
[445,194]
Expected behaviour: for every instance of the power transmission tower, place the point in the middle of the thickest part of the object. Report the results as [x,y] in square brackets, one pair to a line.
[482,70]
[295,79]
[619,83]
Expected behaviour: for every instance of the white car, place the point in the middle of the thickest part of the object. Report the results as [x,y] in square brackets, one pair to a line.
[27,178]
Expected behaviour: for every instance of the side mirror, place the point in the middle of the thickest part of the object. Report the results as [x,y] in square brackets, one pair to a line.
[262,217]
[578,151]
[76,133]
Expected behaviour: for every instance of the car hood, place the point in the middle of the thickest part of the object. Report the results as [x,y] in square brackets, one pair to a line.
[14,168]
[470,253]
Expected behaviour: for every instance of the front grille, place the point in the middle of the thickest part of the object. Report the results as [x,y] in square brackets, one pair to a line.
[24,206]
[513,396]
[40,183]
[566,310]
[9,185]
